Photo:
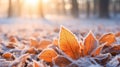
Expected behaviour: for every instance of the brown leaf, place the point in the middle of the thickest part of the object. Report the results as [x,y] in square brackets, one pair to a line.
[7,55]
[35,64]
[31,50]
[90,43]
[44,43]
[34,42]
[68,43]
[97,51]
[55,42]
[113,50]
[12,39]
[47,55]
[81,49]
[61,61]
[117,34]
[108,39]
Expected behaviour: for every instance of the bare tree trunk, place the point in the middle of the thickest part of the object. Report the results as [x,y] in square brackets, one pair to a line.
[10,9]
[75,9]
[88,8]
[104,8]
[41,8]
[95,7]
[63,6]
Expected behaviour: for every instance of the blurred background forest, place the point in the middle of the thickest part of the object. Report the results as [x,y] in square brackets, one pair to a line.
[49,8]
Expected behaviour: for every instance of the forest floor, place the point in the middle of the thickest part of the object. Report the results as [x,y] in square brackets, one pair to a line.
[21,31]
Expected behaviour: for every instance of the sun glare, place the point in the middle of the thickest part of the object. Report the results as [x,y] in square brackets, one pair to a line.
[31,2]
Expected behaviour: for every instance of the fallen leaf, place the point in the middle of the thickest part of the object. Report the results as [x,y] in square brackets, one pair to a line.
[90,43]
[8,56]
[35,64]
[108,39]
[12,39]
[81,49]
[114,50]
[117,34]
[47,55]
[44,43]
[55,42]
[61,61]
[68,43]
[34,42]
[97,51]
[31,50]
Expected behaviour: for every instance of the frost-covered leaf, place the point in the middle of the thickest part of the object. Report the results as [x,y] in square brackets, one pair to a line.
[34,42]
[113,50]
[44,43]
[81,49]
[68,43]
[108,39]
[32,50]
[90,43]
[35,64]
[103,58]
[8,56]
[61,61]
[47,55]
[12,39]
[55,42]
[97,51]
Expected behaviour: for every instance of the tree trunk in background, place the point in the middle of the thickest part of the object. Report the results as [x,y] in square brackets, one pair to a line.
[95,7]
[104,8]
[10,9]
[41,9]
[19,7]
[88,8]
[75,9]
[63,7]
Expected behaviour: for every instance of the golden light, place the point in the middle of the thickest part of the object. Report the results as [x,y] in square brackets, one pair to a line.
[31,2]
[45,1]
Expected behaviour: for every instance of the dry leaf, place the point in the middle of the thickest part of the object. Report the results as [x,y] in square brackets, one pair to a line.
[117,34]
[8,56]
[31,50]
[81,49]
[97,51]
[44,43]
[34,42]
[90,43]
[47,55]
[55,42]
[108,39]
[35,64]
[69,43]
[61,61]
[113,50]
[12,39]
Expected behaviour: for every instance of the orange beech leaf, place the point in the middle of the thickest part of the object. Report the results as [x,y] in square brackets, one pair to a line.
[90,43]
[12,39]
[97,50]
[117,34]
[35,64]
[7,55]
[44,43]
[81,49]
[31,51]
[62,61]
[68,43]
[108,39]
[47,55]
[34,42]
[55,42]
